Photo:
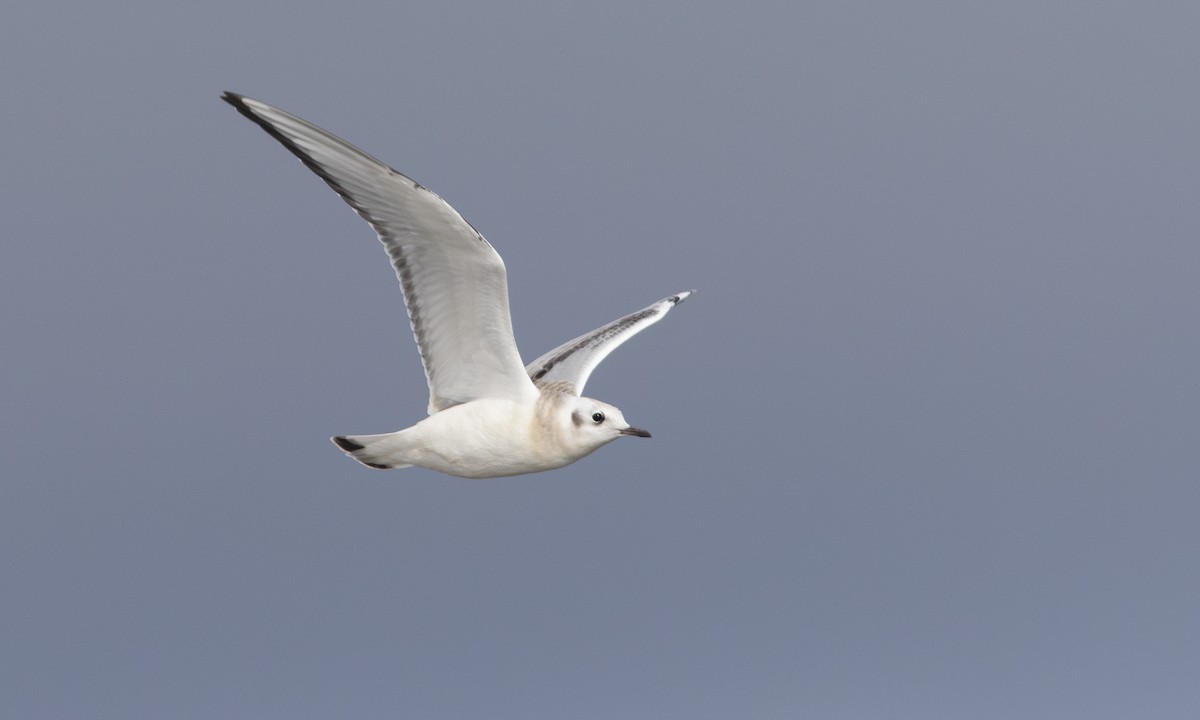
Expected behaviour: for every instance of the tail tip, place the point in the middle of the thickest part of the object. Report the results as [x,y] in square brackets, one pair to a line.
[350,447]
[346,444]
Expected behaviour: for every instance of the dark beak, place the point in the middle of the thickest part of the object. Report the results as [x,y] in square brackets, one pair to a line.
[635,431]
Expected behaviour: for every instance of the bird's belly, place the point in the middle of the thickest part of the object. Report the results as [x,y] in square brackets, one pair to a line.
[482,439]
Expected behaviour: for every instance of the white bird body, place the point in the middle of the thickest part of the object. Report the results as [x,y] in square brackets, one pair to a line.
[489,416]
[492,438]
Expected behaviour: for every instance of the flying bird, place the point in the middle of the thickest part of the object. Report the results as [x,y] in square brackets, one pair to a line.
[489,415]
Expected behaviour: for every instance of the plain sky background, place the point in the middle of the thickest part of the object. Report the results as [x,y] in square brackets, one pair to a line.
[926,440]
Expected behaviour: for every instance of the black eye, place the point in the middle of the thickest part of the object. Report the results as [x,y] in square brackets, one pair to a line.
[598,417]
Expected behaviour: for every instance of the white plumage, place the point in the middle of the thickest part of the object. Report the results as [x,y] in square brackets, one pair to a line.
[489,415]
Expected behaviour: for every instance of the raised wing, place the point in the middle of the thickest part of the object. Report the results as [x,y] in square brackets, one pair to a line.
[573,361]
[454,283]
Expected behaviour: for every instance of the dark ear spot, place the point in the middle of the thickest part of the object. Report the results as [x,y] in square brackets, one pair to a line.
[576,418]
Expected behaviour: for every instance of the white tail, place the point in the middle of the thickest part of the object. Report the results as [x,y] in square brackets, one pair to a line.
[371,450]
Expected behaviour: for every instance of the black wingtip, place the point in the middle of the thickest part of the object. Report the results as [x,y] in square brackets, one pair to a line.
[239,103]
[346,444]
[676,299]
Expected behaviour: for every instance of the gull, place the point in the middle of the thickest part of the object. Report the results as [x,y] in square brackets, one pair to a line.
[489,415]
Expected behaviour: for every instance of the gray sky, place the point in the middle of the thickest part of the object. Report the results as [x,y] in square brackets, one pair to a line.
[926,441]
